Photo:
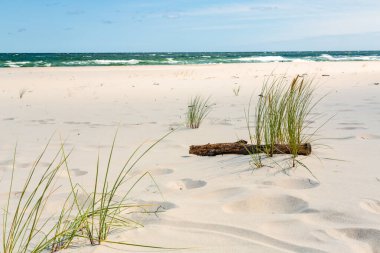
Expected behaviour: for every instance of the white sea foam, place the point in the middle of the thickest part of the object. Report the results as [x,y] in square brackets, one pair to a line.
[101,62]
[301,60]
[13,65]
[262,59]
[171,61]
[109,62]
[327,57]
[70,63]
[349,58]
[133,61]
[16,64]
[365,58]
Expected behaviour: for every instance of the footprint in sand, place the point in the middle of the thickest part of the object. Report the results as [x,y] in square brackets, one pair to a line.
[351,124]
[333,217]
[77,122]
[79,172]
[43,121]
[5,162]
[264,203]
[186,184]
[341,138]
[299,183]
[371,205]
[159,172]
[369,236]
[351,128]
[367,136]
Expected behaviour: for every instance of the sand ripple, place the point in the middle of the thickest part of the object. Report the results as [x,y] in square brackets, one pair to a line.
[369,236]
[371,205]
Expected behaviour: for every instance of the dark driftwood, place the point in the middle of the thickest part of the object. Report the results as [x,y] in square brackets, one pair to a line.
[242,148]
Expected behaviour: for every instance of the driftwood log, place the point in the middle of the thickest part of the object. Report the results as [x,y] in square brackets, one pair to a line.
[242,148]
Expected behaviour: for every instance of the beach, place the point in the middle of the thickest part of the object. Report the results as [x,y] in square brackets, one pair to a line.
[203,204]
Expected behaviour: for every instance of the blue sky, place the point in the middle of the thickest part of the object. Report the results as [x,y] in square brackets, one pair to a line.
[188,25]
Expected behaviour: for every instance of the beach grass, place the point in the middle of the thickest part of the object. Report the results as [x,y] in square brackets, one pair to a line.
[236,90]
[300,103]
[84,216]
[22,92]
[106,208]
[256,159]
[273,109]
[22,227]
[197,110]
[282,114]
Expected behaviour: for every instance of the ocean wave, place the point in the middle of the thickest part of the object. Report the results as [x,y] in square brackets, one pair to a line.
[262,59]
[301,60]
[16,64]
[110,62]
[171,61]
[75,63]
[366,58]
[349,58]
[127,59]
[12,65]
[327,57]
[101,62]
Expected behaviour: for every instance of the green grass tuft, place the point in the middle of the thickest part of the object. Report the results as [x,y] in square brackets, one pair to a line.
[197,110]
[282,114]
[236,90]
[84,216]
[23,226]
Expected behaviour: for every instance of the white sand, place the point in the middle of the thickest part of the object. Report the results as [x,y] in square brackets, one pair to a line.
[215,204]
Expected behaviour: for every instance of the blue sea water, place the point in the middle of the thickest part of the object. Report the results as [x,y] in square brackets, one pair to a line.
[13,60]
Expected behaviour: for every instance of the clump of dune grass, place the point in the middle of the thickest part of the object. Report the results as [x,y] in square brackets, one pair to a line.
[197,110]
[23,224]
[84,215]
[67,228]
[236,90]
[272,109]
[281,115]
[300,103]
[107,208]
[22,92]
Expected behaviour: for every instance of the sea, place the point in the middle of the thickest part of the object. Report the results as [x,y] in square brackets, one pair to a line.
[17,60]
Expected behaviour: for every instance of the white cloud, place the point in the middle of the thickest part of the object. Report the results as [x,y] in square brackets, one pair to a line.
[294,19]
[225,9]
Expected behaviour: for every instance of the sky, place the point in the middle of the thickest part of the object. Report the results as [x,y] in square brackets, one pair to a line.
[188,25]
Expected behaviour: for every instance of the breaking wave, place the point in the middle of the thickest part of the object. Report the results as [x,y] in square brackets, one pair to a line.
[126,59]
